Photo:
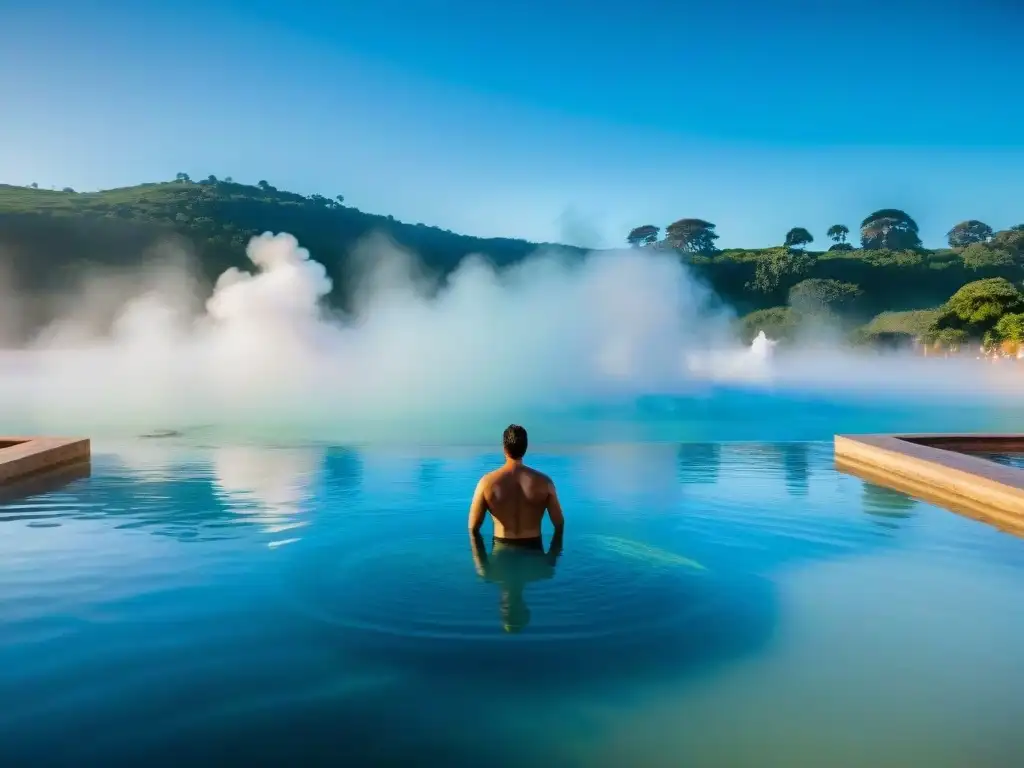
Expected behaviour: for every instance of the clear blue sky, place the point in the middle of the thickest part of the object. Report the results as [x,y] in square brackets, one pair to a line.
[565,120]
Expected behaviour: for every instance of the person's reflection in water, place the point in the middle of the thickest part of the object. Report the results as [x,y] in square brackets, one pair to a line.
[512,566]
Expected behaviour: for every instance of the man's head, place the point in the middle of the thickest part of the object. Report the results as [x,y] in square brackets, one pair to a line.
[514,442]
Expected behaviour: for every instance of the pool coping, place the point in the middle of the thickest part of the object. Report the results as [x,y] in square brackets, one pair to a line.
[929,467]
[24,457]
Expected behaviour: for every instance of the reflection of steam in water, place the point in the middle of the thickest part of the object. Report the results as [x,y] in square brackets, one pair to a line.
[886,506]
[268,485]
[155,461]
[617,472]
[167,488]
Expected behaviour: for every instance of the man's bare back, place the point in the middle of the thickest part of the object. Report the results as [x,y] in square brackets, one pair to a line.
[516,495]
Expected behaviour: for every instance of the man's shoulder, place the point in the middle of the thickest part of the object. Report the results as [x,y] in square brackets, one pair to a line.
[539,476]
[488,478]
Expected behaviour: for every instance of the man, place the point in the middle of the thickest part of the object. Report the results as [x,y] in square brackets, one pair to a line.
[517,497]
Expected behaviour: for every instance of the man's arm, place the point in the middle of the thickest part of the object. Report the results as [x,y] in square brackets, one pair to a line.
[477,508]
[555,510]
[476,545]
[558,521]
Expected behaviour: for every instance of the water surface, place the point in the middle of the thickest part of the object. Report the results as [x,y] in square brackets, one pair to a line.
[714,604]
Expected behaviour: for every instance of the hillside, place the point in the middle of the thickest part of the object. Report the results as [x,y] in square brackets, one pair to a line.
[47,238]
[42,231]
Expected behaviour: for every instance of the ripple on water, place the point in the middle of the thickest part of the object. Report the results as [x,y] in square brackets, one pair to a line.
[417,601]
[426,587]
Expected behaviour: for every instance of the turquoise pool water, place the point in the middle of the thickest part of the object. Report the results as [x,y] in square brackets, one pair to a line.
[736,604]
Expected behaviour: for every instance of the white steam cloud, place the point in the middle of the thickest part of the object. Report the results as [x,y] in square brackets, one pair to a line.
[550,333]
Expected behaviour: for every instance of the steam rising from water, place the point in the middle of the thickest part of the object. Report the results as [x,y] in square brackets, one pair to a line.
[550,333]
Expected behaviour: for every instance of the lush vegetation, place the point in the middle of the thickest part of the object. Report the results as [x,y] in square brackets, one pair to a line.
[890,290]
[887,289]
[43,232]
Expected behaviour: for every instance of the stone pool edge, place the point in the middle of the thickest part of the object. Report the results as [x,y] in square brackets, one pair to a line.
[23,458]
[916,464]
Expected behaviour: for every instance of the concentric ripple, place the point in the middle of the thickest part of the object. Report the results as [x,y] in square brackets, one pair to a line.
[427,588]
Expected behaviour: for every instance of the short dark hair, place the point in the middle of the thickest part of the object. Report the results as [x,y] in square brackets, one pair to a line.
[514,440]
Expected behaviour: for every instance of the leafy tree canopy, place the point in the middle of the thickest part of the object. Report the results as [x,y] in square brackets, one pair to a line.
[643,235]
[977,307]
[889,228]
[778,268]
[1010,240]
[798,237]
[778,323]
[823,297]
[981,256]
[969,232]
[692,235]
[838,233]
[1010,327]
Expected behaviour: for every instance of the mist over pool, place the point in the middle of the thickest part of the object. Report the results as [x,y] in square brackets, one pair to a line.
[629,337]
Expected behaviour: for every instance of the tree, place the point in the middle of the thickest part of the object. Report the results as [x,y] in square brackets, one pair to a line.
[211,179]
[914,323]
[889,228]
[263,184]
[643,235]
[340,199]
[798,237]
[976,307]
[838,233]
[183,177]
[68,190]
[841,247]
[1010,240]
[228,180]
[34,185]
[1009,328]
[969,232]
[777,267]
[951,338]
[823,297]
[981,256]
[691,235]
[778,323]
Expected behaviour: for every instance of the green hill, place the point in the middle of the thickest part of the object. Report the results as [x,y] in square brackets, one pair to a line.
[47,238]
[43,232]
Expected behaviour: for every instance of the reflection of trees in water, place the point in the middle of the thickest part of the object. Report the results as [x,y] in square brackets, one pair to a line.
[698,463]
[428,472]
[885,505]
[766,457]
[796,466]
[343,470]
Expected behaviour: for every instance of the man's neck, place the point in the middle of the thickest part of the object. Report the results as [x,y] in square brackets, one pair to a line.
[513,462]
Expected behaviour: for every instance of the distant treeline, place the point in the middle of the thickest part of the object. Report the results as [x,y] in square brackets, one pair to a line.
[48,238]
